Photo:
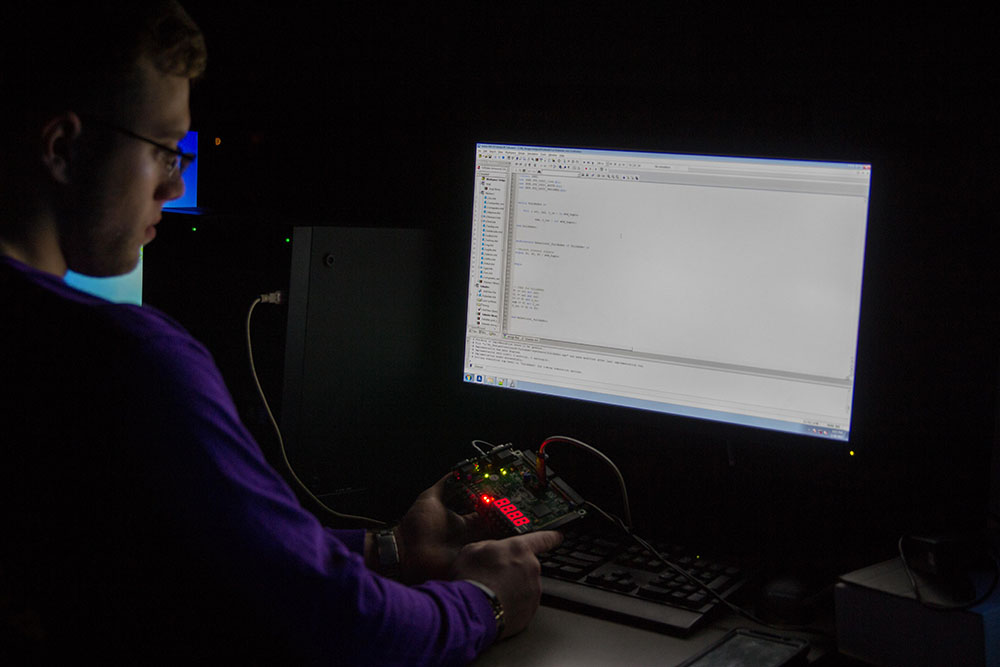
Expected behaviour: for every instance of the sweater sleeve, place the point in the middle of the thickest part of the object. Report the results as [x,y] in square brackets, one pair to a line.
[306,581]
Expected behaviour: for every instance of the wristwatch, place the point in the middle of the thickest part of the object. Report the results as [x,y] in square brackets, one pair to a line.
[388,552]
[494,604]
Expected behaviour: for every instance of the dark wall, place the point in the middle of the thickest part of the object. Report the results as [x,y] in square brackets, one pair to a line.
[370,119]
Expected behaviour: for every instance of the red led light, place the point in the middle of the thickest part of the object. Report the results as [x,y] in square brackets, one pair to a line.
[514,515]
[486,499]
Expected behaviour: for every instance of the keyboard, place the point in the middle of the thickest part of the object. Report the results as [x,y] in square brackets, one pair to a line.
[598,570]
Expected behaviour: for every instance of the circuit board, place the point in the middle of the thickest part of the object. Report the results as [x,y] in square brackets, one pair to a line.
[503,486]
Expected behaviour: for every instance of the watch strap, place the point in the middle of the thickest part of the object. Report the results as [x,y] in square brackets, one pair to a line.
[494,604]
[388,552]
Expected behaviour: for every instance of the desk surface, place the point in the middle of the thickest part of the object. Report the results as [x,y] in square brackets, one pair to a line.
[559,637]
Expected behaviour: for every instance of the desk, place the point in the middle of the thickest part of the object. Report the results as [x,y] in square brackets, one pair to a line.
[559,637]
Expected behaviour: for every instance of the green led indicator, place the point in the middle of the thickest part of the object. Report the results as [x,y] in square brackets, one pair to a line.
[194,229]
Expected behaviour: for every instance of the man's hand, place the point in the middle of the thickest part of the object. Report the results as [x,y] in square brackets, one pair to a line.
[430,536]
[509,567]
[436,543]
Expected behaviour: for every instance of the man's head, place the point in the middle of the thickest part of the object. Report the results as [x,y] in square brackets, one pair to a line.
[92,93]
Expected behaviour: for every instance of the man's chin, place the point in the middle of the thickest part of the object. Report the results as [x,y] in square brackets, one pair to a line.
[106,268]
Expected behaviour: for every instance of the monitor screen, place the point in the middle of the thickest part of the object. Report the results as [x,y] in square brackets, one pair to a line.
[719,288]
[189,144]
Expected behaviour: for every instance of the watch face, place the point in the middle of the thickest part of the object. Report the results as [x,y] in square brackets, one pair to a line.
[388,552]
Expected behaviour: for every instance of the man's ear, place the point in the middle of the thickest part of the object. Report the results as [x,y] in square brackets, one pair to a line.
[59,137]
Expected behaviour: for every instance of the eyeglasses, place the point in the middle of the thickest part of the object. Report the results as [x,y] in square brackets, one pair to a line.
[175,161]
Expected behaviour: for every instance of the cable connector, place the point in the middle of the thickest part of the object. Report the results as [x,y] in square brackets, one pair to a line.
[276,297]
[540,469]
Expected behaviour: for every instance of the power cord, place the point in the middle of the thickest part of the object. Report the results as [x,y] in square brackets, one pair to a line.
[626,527]
[278,297]
[542,456]
[736,609]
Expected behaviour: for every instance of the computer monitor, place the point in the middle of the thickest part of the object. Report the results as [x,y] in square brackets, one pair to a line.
[189,200]
[725,289]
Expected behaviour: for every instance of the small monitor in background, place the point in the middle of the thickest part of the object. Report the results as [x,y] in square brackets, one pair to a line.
[118,289]
[189,144]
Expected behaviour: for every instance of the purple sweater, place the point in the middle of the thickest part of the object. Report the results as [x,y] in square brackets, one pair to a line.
[141,521]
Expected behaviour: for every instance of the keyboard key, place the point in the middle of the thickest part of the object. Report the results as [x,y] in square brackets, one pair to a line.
[589,558]
[638,574]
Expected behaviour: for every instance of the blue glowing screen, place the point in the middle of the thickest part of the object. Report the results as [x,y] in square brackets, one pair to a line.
[189,144]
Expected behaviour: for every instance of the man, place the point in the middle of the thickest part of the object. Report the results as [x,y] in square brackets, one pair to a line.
[140,521]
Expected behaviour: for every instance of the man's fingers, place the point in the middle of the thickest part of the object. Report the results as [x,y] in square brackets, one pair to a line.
[540,542]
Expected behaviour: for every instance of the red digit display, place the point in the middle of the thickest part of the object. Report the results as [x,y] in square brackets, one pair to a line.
[514,515]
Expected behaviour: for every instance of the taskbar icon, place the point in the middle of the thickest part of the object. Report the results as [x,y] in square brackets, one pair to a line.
[492,380]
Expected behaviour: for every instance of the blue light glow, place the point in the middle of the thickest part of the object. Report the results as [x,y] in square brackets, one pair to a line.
[189,144]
